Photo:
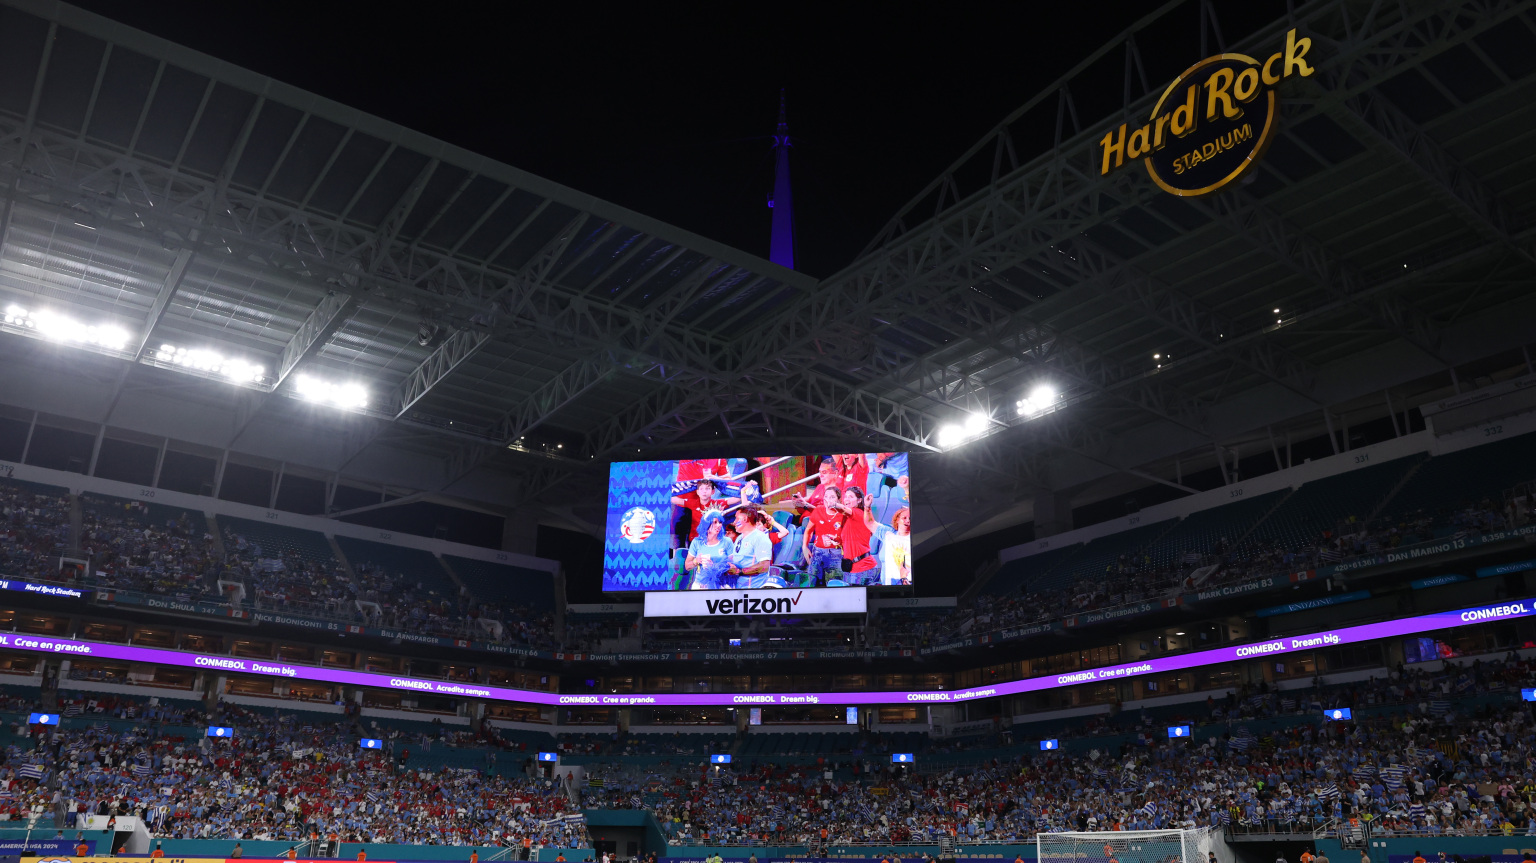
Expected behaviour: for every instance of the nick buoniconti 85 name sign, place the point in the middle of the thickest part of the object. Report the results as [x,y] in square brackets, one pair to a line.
[1212,123]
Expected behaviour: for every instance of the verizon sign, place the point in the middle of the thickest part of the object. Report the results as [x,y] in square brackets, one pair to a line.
[754,603]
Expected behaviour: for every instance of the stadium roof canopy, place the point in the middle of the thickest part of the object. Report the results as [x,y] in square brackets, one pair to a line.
[511,332]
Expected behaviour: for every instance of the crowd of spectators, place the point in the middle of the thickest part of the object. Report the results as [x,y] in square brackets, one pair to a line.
[370,595]
[1134,578]
[136,546]
[130,550]
[283,777]
[1449,752]
[1431,767]
[35,533]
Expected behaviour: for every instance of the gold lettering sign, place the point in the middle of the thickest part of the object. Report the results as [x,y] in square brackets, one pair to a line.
[1212,123]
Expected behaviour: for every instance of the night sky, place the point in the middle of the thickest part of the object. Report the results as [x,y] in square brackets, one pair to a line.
[667,110]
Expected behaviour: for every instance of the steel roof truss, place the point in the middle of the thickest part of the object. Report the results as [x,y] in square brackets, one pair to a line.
[1097,268]
[390,229]
[554,394]
[168,290]
[317,329]
[465,343]
[1252,219]
[1372,116]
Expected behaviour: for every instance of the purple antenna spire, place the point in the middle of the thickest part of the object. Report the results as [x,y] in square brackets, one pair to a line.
[781,248]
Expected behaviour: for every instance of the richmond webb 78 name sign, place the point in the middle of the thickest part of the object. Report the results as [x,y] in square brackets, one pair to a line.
[1212,123]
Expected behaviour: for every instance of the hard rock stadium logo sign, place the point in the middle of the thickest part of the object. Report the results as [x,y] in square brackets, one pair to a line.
[1212,123]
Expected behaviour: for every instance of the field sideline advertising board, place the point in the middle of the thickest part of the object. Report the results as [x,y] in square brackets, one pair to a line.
[770,522]
[1507,610]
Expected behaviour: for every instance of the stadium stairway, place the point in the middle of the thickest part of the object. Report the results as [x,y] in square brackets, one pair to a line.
[453,576]
[1018,574]
[1263,520]
[1393,492]
[1449,481]
[76,522]
[217,533]
[341,556]
[1303,519]
[1100,555]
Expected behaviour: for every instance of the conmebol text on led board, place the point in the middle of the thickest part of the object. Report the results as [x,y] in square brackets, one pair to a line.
[1507,610]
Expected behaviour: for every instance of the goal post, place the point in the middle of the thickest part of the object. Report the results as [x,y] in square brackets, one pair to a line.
[1134,846]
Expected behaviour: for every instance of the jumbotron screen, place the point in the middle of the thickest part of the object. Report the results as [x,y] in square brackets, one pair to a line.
[841,520]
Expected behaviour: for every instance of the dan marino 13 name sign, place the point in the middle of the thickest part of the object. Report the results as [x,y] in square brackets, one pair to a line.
[1212,123]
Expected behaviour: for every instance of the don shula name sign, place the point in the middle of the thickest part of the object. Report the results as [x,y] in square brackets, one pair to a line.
[1212,123]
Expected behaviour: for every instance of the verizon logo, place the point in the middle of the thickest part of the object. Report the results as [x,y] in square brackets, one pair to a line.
[748,604]
[767,602]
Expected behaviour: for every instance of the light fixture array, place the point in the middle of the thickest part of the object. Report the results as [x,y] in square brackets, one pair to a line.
[62,328]
[236,370]
[351,396]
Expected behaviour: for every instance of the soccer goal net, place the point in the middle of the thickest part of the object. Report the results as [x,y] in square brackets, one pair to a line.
[1134,846]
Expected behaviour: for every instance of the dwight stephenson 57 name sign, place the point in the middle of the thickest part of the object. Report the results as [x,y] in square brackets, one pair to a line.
[1212,123]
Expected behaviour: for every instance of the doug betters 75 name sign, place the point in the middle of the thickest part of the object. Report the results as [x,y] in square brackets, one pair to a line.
[1212,123]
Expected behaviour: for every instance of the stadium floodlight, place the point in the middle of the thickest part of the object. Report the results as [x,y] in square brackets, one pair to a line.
[954,434]
[1178,732]
[549,756]
[370,743]
[1040,400]
[62,328]
[220,731]
[351,396]
[903,758]
[1048,745]
[1338,714]
[43,719]
[238,371]
[719,759]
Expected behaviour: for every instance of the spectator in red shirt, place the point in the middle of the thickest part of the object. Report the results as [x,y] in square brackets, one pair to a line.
[689,472]
[822,544]
[853,470]
[854,538]
[702,501]
[827,476]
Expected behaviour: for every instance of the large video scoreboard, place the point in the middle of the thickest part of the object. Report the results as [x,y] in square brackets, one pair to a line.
[754,524]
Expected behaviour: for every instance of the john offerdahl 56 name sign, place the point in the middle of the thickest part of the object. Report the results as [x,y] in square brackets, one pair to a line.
[1212,123]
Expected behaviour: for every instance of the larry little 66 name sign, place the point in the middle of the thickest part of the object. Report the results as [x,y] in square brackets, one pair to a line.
[1212,123]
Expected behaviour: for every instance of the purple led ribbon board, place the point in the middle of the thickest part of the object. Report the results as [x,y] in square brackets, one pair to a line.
[1274,646]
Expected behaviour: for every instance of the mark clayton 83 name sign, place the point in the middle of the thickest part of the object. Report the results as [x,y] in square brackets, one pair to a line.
[1212,123]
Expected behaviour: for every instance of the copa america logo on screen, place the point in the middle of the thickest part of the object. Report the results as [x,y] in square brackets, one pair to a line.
[639,523]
